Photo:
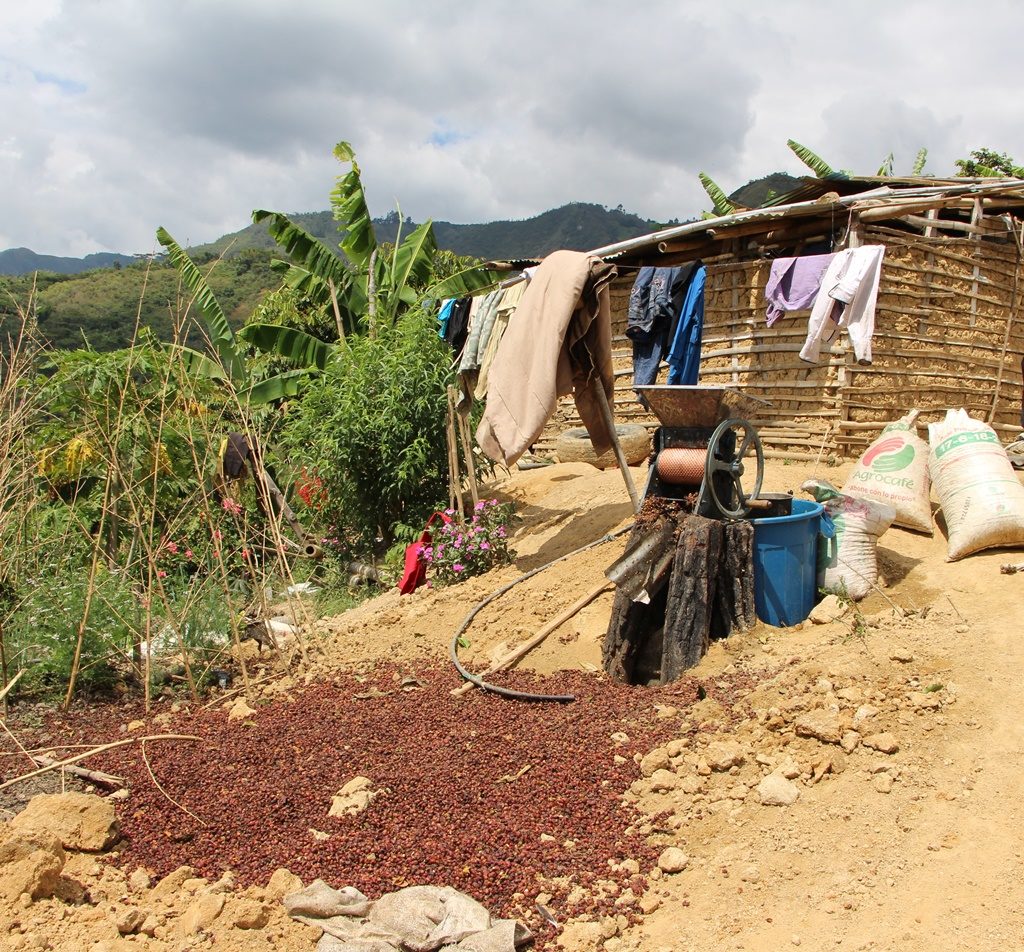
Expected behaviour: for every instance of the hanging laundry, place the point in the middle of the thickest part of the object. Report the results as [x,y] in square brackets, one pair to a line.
[457,328]
[483,319]
[649,324]
[793,284]
[559,342]
[502,314]
[849,291]
[684,353]
[444,316]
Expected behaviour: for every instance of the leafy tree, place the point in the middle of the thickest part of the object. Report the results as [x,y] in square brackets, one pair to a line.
[987,163]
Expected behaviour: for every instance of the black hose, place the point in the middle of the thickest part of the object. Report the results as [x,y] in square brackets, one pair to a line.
[508,692]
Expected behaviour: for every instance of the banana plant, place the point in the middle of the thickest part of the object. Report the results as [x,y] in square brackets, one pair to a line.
[368,285]
[813,161]
[719,200]
[227,365]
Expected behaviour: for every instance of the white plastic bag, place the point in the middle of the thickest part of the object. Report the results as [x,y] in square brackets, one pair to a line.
[894,470]
[848,562]
[981,497]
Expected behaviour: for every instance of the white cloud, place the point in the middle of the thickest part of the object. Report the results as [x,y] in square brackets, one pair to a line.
[120,116]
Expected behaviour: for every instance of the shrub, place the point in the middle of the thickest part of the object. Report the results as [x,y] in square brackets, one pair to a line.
[463,549]
[372,429]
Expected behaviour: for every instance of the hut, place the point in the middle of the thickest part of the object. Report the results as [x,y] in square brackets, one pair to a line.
[947,327]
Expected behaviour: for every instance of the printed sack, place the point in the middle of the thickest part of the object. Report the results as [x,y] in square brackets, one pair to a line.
[848,562]
[415,570]
[981,498]
[894,471]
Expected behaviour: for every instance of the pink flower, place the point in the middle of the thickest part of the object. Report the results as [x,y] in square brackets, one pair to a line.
[485,546]
[245,553]
[458,567]
[216,534]
[480,505]
[188,553]
[231,506]
[160,573]
[172,547]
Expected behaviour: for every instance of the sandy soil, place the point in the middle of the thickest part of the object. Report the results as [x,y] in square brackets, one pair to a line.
[915,849]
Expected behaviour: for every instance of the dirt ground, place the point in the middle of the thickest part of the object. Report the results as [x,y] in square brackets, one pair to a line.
[914,848]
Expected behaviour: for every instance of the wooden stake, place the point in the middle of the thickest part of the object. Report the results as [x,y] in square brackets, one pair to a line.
[511,657]
[467,455]
[609,420]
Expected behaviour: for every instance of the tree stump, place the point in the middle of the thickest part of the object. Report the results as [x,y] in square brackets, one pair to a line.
[708,593]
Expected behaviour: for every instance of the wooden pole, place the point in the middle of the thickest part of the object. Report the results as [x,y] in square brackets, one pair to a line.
[467,454]
[609,420]
[511,657]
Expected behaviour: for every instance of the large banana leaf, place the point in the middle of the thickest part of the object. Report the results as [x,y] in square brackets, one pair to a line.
[283,385]
[295,346]
[719,199]
[886,168]
[197,364]
[348,200]
[219,331]
[303,248]
[409,270]
[463,283]
[920,161]
[813,161]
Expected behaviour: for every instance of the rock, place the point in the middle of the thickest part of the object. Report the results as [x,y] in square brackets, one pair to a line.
[240,710]
[353,798]
[884,743]
[248,914]
[80,820]
[169,886]
[247,650]
[134,726]
[582,936]
[149,926]
[673,860]
[850,741]
[665,710]
[924,700]
[201,914]
[30,862]
[750,874]
[721,755]
[852,695]
[663,781]
[657,759]
[902,655]
[864,713]
[127,919]
[283,882]
[821,725]
[789,769]
[776,791]
[140,880]
[828,610]
[619,737]
[690,784]
[882,783]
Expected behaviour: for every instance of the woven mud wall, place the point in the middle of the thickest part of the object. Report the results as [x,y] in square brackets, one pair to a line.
[947,334]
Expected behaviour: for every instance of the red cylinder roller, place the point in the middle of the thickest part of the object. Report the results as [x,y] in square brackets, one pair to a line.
[682,466]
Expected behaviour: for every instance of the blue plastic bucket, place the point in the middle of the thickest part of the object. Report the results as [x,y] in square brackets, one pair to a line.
[786,564]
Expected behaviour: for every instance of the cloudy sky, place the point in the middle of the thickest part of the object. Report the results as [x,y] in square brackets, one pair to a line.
[122,115]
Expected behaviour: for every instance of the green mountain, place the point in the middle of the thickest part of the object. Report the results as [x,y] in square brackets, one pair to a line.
[577,226]
[25,261]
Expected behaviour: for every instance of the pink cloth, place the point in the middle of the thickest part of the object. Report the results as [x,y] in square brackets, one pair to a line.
[559,341]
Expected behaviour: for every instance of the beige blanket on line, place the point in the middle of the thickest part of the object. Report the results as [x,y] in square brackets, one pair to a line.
[559,341]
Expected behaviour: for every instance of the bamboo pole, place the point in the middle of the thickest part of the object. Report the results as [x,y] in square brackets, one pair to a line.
[609,420]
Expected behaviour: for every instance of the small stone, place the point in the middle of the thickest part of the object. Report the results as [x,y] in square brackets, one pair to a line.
[201,914]
[353,798]
[249,914]
[821,725]
[665,711]
[864,713]
[134,726]
[776,791]
[850,741]
[172,883]
[828,610]
[902,655]
[149,926]
[750,874]
[546,838]
[619,760]
[924,700]
[248,650]
[703,768]
[690,784]
[657,759]
[882,783]
[673,860]
[789,769]
[127,919]
[240,710]
[721,755]
[619,737]
[283,882]
[884,743]
[140,880]
[663,781]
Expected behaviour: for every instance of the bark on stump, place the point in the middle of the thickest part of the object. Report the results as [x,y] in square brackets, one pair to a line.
[708,593]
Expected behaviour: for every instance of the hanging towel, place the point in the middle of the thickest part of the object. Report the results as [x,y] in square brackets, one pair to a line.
[560,342]
[684,354]
[444,315]
[849,291]
[793,284]
[502,315]
[652,330]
